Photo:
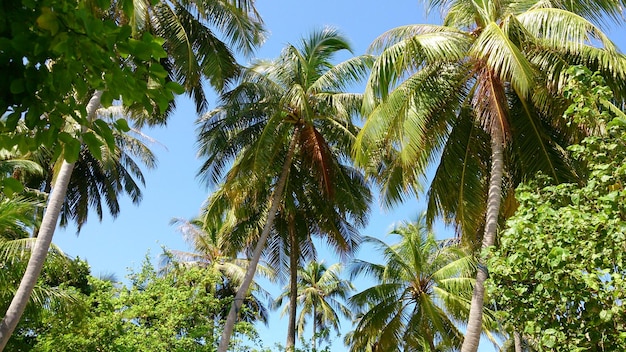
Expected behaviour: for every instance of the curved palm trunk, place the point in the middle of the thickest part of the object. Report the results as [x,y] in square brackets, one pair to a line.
[42,244]
[294,253]
[46,190]
[256,256]
[474,324]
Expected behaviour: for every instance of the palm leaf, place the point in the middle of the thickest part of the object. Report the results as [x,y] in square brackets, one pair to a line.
[504,58]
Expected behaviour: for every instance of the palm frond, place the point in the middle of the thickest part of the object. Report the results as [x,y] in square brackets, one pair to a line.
[343,75]
[457,190]
[505,58]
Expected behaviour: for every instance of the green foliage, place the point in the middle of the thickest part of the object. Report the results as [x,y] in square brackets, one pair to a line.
[589,96]
[56,290]
[55,54]
[176,312]
[306,346]
[558,275]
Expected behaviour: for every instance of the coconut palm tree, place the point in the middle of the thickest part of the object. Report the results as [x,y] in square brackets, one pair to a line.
[421,293]
[210,251]
[287,248]
[320,292]
[285,114]
[480,95]
[305,215]
[40,249]
[97,180]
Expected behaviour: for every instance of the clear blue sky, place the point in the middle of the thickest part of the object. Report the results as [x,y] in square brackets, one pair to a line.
[172,190]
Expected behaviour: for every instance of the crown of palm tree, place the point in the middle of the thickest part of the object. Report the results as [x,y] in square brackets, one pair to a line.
[438,93]
[210,252]
[421,293]
[320,292]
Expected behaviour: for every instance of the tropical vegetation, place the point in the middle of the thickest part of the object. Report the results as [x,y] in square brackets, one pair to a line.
[508,119]
[172,312]
[320,292]
[209,251]
[119,59]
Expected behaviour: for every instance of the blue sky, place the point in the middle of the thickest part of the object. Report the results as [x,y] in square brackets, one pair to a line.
[172,189]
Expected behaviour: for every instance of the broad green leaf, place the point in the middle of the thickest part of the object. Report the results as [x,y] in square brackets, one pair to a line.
[122,125]
[104,131]
[71,150]
[11,186]
[17,86]
[48,20]
[175,87]
[94,144]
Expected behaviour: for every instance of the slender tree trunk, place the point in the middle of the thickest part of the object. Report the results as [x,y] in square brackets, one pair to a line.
[518,341]
[46,190]
[494,198]
[256,256]
[42,244]
[294,254]
[313,344]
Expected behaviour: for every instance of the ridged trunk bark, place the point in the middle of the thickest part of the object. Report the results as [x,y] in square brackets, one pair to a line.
[294,254]
[494,198]
[256,255]
[42,244]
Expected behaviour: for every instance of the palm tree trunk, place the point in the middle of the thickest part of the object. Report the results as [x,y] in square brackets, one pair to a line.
[294,253]
[517,338]
[42,244]
[313,344]
[494,198]
[46,190]
[256,256]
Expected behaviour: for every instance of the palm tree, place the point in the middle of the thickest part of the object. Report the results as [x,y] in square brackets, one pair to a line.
[421,293]
[320,290]
[283,115]
[211,252]
[290,245]
[97,180]
[304,215]
[194,52]
[480,94]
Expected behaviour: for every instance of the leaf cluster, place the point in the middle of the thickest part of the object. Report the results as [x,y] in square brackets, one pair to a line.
[55,54]
[57,292]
